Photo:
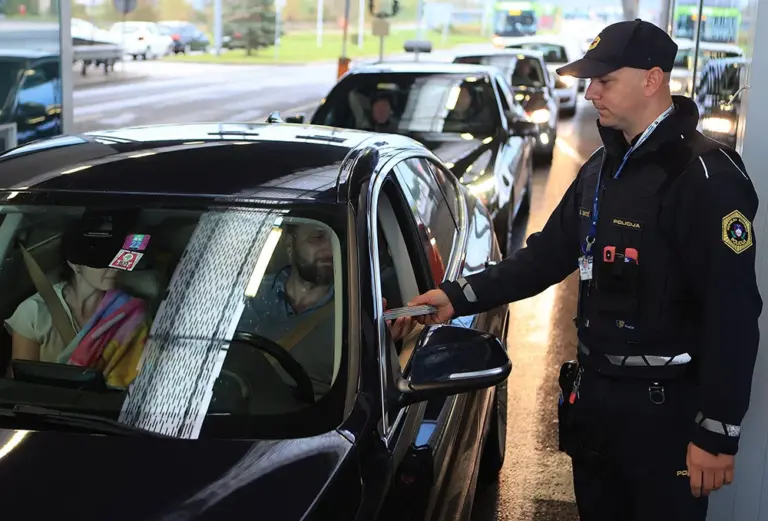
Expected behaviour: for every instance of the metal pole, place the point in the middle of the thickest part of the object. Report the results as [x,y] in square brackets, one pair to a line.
[346,27]
[670,17]
[381,48]
[277,32]
[319,23]
[65,52]
[217,27]
[420,20]
[360,23]
[695,86]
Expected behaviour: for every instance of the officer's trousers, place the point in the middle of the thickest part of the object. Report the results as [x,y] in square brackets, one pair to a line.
[629,453]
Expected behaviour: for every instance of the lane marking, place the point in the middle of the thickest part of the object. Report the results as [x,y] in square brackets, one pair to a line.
[569,151]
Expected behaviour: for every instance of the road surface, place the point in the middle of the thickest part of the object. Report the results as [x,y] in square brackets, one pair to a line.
[168,92]
[535,483]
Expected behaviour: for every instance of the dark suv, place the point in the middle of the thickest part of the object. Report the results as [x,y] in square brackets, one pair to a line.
[719,98]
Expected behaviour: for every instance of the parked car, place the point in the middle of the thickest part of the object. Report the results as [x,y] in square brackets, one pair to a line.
[682,81]
[142,39]
[533,87]
[30,93]
[186,37]
[466,114]
[719,99]
[557,52]
[350,424]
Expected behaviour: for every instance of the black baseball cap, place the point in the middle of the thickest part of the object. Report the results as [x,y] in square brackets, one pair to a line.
[637,44]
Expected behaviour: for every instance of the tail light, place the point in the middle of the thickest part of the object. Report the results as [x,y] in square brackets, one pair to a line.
[237,35]
[176,37]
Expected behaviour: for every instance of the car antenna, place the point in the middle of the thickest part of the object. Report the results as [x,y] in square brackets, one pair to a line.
[274,117]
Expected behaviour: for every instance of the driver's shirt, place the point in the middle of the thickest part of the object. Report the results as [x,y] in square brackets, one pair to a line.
[271,315]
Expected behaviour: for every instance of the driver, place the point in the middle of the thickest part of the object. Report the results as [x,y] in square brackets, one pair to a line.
[382,114]
[295,307]
[466,114]
[522,74]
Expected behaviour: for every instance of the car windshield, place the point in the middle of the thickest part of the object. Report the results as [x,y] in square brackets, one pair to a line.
[510,23]
[524,71]
[10,75]
[412,103]
[189,322]
[552,53]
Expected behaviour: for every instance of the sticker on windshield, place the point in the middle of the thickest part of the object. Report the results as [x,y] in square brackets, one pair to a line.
[136,242]
[125,260]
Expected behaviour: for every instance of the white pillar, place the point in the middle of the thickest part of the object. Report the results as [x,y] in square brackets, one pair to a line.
[67,81]
[319,23]
[360,23]
[217,27]
[747,498]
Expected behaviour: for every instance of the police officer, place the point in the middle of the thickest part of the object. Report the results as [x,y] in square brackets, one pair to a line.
[658,223]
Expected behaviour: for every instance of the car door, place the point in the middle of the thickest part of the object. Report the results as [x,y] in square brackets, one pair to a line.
[517,152]
[431,445]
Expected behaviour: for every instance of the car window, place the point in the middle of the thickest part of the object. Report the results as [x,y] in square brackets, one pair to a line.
[37,86]
[552,53]
[448,184]
[434,217]
[239,311]
[10,75]
[412,103]
[528,73]
[505,96]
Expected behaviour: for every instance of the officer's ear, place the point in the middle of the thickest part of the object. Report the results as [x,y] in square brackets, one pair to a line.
[655,79]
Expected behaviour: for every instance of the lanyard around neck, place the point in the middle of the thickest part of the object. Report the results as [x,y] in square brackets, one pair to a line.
[590,239]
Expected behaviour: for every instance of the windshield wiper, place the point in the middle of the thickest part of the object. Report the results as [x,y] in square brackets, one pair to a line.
[74,419]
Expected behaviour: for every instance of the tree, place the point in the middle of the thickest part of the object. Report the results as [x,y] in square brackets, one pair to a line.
[176,10]
[254,19]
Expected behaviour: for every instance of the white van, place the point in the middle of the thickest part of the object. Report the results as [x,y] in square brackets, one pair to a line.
[682,73]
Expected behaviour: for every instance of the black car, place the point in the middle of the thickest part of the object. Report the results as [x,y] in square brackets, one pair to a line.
[719,98]
[527,74]
[466,114]
[185,35]
[221,389]
[30,93]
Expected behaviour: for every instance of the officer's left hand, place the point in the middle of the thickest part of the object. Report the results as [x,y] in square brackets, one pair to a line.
[708,472]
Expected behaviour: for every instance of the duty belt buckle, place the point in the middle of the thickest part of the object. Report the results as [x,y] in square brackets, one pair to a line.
[656,393]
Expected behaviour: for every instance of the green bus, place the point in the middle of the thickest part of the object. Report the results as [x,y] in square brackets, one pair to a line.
[718,24]
[514,19]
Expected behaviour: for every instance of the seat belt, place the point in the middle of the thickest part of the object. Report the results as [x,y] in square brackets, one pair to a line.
[290,340]
[52,301]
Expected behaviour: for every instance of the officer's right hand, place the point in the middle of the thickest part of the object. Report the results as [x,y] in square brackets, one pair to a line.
[440,300]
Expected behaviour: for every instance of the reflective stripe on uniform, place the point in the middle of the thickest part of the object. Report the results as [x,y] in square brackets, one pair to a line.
[718,427]
[469,293]
[643,360]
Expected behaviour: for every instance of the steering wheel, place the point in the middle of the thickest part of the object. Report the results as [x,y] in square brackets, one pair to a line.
[304,390]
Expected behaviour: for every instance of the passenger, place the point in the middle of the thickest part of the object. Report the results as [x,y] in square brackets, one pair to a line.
[88,296]
[295,307]
[382,115]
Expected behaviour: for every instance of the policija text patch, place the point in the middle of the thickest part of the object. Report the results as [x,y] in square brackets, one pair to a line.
[737,231]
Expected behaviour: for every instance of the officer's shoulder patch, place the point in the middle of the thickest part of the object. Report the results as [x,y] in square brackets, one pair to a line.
[737,231]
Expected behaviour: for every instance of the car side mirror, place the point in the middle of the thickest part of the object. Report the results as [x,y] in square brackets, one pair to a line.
[452,360]
[298,118]
[32,110]
[521,127]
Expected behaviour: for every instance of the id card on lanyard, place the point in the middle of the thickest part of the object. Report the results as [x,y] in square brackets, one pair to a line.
[587,258]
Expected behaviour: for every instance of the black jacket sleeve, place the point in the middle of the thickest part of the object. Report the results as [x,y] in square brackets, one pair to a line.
[718,251]
[549,257]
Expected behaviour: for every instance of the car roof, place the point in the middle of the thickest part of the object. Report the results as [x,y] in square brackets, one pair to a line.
[251,161]
[25,54]
[423,68]
[503,52]
[687,43]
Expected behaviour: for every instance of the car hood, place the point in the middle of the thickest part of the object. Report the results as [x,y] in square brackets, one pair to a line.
[54,475]
[467,156]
